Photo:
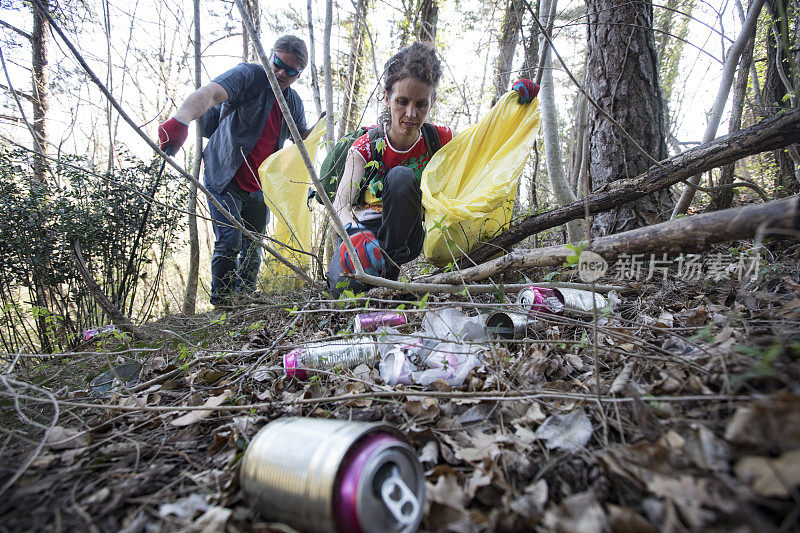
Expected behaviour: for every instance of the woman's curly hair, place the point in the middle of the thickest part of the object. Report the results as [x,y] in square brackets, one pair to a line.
[416,61]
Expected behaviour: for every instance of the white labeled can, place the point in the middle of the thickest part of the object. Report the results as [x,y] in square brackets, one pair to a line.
[334,475]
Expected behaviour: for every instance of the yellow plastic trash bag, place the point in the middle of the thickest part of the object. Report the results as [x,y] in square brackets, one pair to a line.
[469,186]
[284,180]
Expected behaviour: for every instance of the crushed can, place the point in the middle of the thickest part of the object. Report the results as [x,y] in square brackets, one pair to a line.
[541,299]
[334,475]
[346,353]
[512,325]
[367,322]
[580,300]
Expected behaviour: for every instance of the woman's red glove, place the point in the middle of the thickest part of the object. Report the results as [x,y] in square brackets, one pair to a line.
[367,249]
[527,90]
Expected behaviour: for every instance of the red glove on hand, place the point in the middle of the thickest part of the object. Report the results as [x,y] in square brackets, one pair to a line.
[367,248]
[527,90]
[171,135]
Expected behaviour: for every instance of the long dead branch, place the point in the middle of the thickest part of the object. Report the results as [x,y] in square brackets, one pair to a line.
[682,235]
[770,134]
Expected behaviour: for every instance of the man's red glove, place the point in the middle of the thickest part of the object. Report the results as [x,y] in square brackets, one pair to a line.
[367,248]
[527,90]
[171,135]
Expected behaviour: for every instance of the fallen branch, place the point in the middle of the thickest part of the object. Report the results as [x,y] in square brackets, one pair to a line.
[675,236]
[770,134]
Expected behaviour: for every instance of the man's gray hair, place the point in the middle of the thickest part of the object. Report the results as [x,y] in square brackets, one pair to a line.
[293,45]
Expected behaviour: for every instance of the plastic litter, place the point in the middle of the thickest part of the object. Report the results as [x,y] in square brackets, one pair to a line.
[127,374]
[469,186]
[89,334]
[284,180]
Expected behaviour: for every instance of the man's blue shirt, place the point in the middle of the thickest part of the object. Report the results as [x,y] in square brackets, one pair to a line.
[234,127]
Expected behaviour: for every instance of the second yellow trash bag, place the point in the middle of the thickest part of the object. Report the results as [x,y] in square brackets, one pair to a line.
[469,186]
[284,180]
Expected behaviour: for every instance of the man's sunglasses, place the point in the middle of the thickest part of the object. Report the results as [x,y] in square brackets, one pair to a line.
[280,65]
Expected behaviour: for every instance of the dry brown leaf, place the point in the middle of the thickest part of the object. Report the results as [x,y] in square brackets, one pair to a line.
[579,512]
[193,417]
[767,425]
[771,477]
[447,491]
[61,438]
[425,409]
[478,479]
[624,520]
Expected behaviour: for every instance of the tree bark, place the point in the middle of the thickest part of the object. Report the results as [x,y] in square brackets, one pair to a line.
[770,134]
[190,294]
[509,33]
[326,53]
[723,198]
[427,21]
[622,77]
[688,234]
[248,50]
[312,61]
[552,147]
[355,69]
[40,93]
[734,53]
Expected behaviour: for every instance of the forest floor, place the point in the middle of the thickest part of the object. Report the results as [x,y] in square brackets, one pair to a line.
[696,425]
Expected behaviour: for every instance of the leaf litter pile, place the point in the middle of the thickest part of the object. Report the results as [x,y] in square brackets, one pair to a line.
[695,426]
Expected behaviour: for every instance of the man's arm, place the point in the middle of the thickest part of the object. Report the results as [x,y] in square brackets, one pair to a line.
[201,101]
[173,133]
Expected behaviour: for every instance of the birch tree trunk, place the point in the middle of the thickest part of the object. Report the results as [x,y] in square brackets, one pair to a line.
[622,77]
[312,61]
[190,294]
[326,52]
[547,104]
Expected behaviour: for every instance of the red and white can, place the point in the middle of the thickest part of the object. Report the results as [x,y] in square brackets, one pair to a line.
[541,299]
[334,475]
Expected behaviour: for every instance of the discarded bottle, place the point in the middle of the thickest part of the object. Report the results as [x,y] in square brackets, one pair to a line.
[366,322]
[510,324]
[94,332]
[541,299]
[334,475]
[578,300]
[328,355]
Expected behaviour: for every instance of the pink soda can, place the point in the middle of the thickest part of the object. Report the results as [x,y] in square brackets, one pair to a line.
[334,475]
[366,322]
[541,299]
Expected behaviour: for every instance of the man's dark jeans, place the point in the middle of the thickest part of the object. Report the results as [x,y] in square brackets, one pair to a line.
[399,230]
[236,259]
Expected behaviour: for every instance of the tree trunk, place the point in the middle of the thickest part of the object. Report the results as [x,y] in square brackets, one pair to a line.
[768,135]
[552,148]
[775,95]
[729,68]
[427,21]
[622,76]
[312,64]
[509,33]
[355,67]
[39,82]
[190,294]
[248,49]
[723,198]
[326,52]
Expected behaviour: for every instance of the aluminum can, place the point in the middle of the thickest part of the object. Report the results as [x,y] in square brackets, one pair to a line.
[334,475]
[578,300]
[541,299]
[331,354]
[366,322]
[510,324]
